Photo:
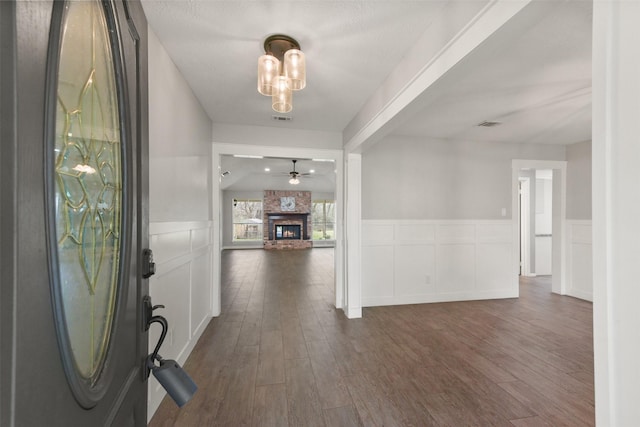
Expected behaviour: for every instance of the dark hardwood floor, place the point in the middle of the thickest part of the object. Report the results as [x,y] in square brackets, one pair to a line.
[281,355]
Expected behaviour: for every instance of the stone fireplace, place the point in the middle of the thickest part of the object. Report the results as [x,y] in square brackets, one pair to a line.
[287,219]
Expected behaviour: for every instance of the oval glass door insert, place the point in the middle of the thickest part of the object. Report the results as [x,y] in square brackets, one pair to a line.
[87,199]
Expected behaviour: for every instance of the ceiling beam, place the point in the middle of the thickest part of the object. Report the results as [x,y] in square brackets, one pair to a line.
[383,112]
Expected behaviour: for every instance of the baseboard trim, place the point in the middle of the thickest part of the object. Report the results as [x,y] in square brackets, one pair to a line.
[435,298]
[354,312]
[580,295]
[255,246]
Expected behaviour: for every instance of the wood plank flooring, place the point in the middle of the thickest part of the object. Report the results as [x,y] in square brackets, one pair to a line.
[281,355]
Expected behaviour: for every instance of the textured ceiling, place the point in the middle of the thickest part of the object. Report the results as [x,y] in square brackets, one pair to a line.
[350,47]
[534,79]
[533,75]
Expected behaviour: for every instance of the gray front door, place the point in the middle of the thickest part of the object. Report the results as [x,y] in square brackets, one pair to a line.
[74,214]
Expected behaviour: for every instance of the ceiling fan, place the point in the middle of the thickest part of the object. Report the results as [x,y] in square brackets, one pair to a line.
[294,175]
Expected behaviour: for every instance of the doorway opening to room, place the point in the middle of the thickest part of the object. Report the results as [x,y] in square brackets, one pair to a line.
[524,184]
[536,219]
[261,206]
[540,202]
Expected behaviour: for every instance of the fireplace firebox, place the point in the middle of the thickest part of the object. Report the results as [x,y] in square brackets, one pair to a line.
[288,232]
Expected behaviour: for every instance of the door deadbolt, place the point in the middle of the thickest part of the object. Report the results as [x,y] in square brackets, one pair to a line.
[148,266]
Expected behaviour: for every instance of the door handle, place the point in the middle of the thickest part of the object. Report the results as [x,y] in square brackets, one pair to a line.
[169,373]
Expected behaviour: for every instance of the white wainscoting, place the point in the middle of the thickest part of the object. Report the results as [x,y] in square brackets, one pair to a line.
[579,259]
[183,284]
[544,255]
[420,261]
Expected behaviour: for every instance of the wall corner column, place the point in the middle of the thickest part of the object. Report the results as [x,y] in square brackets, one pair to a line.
[616,209]
[353,227]
[216,234]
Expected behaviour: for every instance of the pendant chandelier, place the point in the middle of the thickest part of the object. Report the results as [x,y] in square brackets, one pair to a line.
[281,70]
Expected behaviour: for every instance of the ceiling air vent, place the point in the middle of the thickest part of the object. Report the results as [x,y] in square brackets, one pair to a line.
[488,124]
[281,118]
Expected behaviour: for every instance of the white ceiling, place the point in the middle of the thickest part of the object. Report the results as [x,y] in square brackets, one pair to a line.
[247,174]
[534,79]
[533,75]
[350,47]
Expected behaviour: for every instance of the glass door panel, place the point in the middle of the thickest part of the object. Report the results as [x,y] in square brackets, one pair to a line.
[87,198]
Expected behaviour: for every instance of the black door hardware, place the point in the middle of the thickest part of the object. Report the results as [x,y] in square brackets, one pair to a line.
[169,373]
[148,266]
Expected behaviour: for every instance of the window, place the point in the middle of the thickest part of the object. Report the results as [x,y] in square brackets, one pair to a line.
[324,217]
[247,220]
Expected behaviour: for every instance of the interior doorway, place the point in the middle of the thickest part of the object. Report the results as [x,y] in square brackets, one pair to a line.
[536,221]
[539,198]
[220,203]
[543,223]
[524,215]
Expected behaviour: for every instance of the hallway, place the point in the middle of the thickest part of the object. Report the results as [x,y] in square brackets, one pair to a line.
[280,355]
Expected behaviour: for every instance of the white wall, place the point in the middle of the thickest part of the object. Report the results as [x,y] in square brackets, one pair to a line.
[407,178]
[179,188]
[434,208]
[180,205]
[544,201]
[531,224]
[280,135]
[180,144]
[419,261]
[543,222]
[318,195]
[543,255]
[579,259]
[579,224]
[579,181]
[616,209]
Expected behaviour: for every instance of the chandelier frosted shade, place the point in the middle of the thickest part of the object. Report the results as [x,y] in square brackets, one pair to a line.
[268,72]
[294,181]
[282,98]
[295,69]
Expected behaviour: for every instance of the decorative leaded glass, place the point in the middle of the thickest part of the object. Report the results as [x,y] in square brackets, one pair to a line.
[88,185]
